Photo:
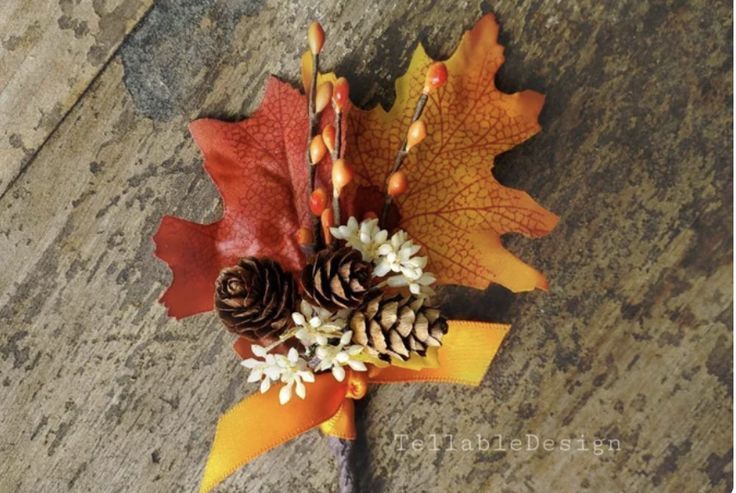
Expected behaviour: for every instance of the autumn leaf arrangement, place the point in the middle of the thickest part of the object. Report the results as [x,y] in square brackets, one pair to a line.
[338,223]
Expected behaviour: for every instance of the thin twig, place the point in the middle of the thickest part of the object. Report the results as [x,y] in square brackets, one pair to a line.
[401,155]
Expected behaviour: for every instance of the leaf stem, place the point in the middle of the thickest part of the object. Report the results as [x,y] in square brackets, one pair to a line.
[401,155]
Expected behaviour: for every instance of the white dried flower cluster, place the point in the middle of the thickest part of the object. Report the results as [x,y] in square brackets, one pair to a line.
[315,325]
[366,237]
[291,370]
[335,357]
[396,255]
[316,328]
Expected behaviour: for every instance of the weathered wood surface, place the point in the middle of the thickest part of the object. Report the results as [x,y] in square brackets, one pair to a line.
[102,392]
[49,54]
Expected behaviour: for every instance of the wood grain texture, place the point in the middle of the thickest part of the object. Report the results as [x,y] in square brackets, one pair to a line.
[49,54]
[101,391]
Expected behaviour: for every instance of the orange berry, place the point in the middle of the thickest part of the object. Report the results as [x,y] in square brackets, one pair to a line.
[436,77]
[318,201]
[328,220]
[341,93]
[417,132]
[328,137]
[315,37]
[342,174]
[317,149]
[397,184]
[304,236]
[323,96]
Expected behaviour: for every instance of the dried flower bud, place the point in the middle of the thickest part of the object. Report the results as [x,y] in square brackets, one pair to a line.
[318,201]
[328,137]
[397,184]
[317,149]
[417,132]
[304,236]
[436,77]
[328,220]
[323,96]
[315,37]
[342,174]
[341,93]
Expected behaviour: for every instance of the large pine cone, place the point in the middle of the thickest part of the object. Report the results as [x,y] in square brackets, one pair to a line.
[396,326]
[337,278]
[255,298]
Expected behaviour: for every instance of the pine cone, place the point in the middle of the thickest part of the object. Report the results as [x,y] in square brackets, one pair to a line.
[255,298]
[337,278]
[396,326]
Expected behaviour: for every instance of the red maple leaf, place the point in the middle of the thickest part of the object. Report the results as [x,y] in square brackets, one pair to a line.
[258,165]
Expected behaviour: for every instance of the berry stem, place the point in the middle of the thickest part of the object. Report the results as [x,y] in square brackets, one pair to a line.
[309,249]
[335,156]
[401,155]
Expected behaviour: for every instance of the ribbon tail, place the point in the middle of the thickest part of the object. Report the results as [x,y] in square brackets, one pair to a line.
[243,433]
[342,424]
[467,350]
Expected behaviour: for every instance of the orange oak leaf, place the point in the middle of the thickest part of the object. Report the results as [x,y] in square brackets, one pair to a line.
[259,167]
[455,207]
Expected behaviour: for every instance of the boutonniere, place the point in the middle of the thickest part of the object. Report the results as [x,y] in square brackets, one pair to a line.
[338,225]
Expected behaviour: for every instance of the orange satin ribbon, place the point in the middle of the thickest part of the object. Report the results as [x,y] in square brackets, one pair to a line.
[259,422]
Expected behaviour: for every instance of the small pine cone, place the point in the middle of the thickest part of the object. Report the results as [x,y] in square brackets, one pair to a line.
[396,326]
[337,278]
[255,298]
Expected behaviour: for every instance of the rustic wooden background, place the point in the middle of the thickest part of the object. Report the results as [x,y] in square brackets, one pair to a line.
[102,392]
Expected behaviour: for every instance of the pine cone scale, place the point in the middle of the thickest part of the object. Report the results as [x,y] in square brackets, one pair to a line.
[337,290]
[377,337]
[359,336]
[406,322]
